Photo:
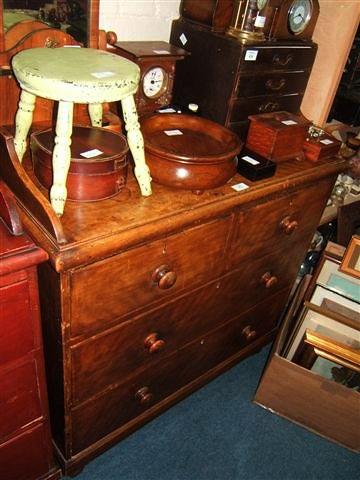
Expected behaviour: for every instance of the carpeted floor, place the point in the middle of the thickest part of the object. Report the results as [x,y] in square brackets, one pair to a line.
[219,434]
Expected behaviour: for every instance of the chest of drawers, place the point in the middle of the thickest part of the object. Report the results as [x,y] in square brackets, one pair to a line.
[25,442]
[144,300]
[230,81]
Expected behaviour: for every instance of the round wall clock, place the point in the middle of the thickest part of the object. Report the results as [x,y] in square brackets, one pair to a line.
[295,20]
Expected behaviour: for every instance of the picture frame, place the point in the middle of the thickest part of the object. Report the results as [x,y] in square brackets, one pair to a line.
[324,322]
[329,358]
[332,278]
[350,264]
[334,302]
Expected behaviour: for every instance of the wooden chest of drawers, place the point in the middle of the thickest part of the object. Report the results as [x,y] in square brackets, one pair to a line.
[145,299]
[230,81]
[25,443]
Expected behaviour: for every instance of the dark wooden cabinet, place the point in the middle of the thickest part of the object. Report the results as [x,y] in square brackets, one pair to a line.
[25,442]
[230,81]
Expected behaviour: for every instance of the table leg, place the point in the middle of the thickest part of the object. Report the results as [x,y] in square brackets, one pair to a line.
[96,114]
[136,144]
[23,121]
[61,156]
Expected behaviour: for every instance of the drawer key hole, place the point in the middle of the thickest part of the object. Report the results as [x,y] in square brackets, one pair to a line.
[249,333]
[154,343]
[269,280]
[288,226]
[164,277]
[144,396]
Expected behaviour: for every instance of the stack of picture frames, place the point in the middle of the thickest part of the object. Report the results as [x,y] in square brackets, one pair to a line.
[313,373]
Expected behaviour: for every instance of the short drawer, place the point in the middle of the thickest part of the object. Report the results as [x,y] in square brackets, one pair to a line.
[277,58]
[19,397]
[284,224]
[119,405]
[241,108]
[271,83]
[118,353]
[17,327]
[127,282]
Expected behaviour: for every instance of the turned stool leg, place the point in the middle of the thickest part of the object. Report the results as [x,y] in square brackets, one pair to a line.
[23,120]
[61,156]
[96,114]
[136,144]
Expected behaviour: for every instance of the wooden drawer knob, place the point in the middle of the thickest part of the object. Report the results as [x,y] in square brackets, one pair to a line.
[288,226]
[154,343]
[144,396]
[249,333]
[269,280]
[164,277]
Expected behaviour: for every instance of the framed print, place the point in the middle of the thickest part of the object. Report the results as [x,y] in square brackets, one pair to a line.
[330,359]
[351,260]
[332,278]
[334,302]
[323,322]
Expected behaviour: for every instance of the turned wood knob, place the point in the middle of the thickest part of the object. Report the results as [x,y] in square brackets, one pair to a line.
[288,225]
[249,333]
[164,277]
[144,396]
[111,38]
[154,343]
[269,280]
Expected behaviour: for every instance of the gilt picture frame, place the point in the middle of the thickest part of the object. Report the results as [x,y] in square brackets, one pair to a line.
[350,264]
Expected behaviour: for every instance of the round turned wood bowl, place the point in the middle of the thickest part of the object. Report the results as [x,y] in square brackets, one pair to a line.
[189,152]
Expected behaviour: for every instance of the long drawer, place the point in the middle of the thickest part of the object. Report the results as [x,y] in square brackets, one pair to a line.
[282,224]
[118,353]
[112,288]
[277,58]
[118,405]
[271,83]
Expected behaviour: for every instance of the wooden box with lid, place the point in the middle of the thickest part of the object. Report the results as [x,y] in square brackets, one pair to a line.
[192,277]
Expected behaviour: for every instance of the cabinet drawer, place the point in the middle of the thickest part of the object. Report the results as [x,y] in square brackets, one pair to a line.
[121,404]
[241,108]
[16,322]
[271,83]
[126,282]
[19,397]
[277,58]
[112,356]
[283,224]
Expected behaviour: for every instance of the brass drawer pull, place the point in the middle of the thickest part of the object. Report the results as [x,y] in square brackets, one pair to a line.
[269,280]
[249,333]
[154,343]
[288,226]
[144,396]
[269,107]
[164,277]
[275,85]
[283,62]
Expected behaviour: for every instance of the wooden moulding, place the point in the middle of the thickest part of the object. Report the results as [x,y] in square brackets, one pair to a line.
[213,14]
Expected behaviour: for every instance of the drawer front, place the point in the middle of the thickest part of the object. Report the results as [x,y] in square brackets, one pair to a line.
[126,282]
[277,58]
[16,322]
[284,224]
[121,404]
[271,83]
[19,397]
[116,354]
[241,108]
[27,456]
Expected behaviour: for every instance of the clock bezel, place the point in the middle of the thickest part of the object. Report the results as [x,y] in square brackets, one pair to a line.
[164,85]
[305,22]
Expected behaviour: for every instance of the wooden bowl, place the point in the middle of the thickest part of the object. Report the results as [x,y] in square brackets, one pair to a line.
[189,152]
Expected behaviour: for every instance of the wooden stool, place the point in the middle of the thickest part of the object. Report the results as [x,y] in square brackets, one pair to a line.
[77,75]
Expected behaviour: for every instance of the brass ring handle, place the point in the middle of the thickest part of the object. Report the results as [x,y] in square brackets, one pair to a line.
[144,396]
[154,343]
[269,107]
[164,277]
[278,61]
[269,280]
[288,226]
[274,85]
[249,333]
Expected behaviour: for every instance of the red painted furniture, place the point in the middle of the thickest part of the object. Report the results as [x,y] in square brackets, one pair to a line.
[25,442]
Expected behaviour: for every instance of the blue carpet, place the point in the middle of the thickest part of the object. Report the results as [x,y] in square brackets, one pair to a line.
[217,433]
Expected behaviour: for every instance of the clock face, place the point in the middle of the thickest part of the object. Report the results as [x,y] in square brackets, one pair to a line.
[155,82]
[299,15]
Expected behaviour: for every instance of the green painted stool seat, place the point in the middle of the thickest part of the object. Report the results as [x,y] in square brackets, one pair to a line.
[77,75]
